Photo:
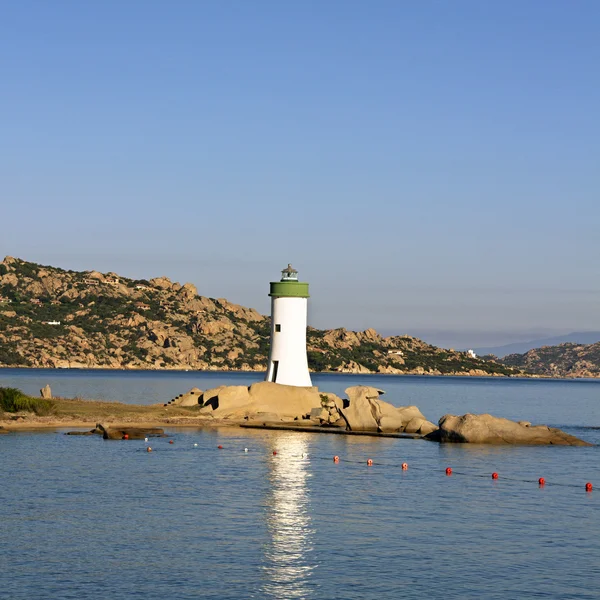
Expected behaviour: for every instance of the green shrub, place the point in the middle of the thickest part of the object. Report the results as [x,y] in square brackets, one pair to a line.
[14,400]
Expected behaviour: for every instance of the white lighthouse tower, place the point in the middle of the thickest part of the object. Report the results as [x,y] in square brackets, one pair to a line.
[288,364]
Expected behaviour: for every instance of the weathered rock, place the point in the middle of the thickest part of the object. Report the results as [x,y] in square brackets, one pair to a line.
[427,428]
[238,402]
[286,400]
[231,399]
[319,413]
[191,398]
[487,429]
[365,411]
[163,283]
[414,425]
[389,417]
[391,424]
[133,433]
[265,417]
[410,412]
[209,397]
[98,430]
[362,412]
[316,412]
[46,392]
[188,291]
[352,367]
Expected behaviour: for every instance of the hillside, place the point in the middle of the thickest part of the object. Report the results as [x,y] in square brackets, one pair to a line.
[576,337]
[50,317]
[564,360]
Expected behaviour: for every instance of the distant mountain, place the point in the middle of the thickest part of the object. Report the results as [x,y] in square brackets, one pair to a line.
[564,360]
[578,337]
[50,317]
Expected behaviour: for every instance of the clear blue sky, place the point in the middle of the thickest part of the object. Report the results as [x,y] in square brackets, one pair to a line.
[430,167]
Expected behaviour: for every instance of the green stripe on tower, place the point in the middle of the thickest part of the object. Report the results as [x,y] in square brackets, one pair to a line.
[289,289]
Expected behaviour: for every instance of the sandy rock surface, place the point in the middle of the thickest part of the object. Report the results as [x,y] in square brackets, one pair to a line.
[487,429]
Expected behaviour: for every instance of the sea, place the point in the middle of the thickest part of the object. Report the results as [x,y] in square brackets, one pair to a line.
[271,515]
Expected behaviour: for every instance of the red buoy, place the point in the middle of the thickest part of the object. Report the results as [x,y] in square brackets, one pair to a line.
[220,447]
[448,470]
[369,463]
[336,459]
[126,436]
[274,452]
[171,442]
[404,466]
[542,481]
[494,475]
[588,487]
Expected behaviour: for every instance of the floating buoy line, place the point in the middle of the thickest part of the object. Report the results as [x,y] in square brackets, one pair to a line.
[449,471]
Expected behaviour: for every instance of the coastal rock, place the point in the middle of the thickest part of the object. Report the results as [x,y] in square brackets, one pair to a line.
[231,399]
[319,414]
[239,402]
[388,370]
[95,431]
[365,411]
[133,433]
[414,425]
[331,406]
[487,429]
[352,367]
[264,418]
[427,428]
[191,398]
[208,398]
[286,400]
[362,410]
[391,424]
[46,392]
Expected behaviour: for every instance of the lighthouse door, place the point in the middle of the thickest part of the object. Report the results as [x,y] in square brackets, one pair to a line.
[275,367]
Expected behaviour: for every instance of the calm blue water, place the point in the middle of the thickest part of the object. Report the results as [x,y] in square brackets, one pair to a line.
[87,518]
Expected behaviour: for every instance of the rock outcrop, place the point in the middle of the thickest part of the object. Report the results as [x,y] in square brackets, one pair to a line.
[286,402]
[365,411]
[564,360]
[191,398]
[46,392]
[487,429]
[129,433]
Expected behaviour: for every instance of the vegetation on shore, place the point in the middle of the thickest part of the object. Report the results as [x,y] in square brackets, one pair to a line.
[563,360]
[51,317]
[16,406]
[13,400]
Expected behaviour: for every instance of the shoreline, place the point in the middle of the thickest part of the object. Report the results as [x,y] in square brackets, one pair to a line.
[527,376]
[23,426]
[250,372]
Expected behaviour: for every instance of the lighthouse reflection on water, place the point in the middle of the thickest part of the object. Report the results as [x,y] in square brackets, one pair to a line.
[288,554]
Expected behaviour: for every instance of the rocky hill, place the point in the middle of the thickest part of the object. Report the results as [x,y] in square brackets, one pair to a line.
[564,360]
[50,317]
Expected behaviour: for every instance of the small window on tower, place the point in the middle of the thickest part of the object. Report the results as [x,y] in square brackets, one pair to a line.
[277,327]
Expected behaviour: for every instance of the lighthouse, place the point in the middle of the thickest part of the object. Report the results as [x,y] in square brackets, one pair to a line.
[288,364]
